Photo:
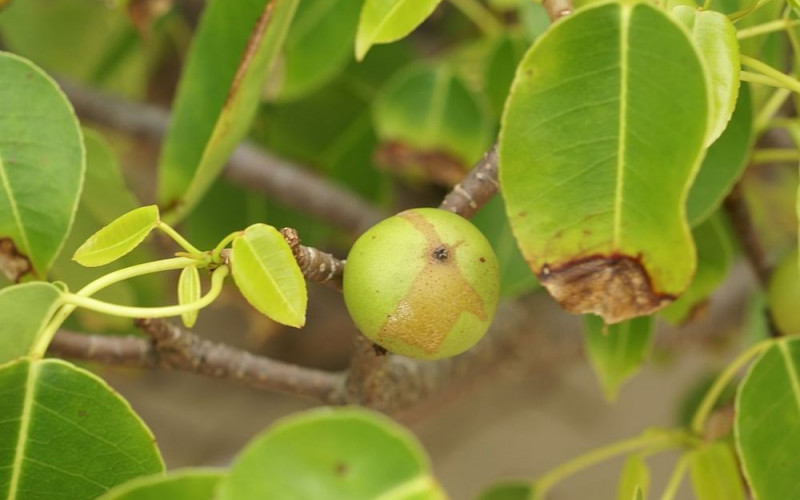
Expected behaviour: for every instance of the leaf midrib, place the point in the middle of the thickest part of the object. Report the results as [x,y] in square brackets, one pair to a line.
[14,208]
[27,406]
[623,109]
[272,280]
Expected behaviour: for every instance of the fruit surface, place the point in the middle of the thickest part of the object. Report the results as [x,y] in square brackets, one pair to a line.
[423,283]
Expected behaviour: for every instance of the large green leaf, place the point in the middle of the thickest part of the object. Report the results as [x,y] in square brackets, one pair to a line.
[715,473]
[768,420]
[384,21]
[233,53]
[430,111]
[617,351]
[601,137]
[118,238]
[635,477]
[319,45]
[42,163]
[267,274]
[182,484]
[724,162]
[25,310]
[714,256]
[66,435]
[714,35]
[347,454]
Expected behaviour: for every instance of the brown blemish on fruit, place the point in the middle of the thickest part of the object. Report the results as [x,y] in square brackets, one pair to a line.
[13,264]
[417,320]
[616,287]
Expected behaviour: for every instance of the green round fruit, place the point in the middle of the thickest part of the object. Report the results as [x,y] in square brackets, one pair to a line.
[423,283]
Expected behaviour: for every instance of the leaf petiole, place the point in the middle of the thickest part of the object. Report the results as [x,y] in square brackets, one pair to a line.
[217,278]
[781,79]
[707,404]
[676,478]
[180,240]
[649,442]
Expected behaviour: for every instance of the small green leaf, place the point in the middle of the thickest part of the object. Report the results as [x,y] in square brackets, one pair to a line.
[767,422]
[318,47]
[25,310]
[635,478]
[783,295]
[384,21]
[117,238]
[42,164]
[182,484]
[617,351]
[234,51]
[189,291]
[598,154]
[430,110]
[638,494]
[512,490]
[66,435]
[267,274]
[715,473]
[714,257]
[715,37]
[724,162]
[501,65]
[347,454]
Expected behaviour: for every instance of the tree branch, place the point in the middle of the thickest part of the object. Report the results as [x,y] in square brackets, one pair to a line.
[556,9]
[476,189]
[171,347]
[315,265]
[742,223]
[249,166]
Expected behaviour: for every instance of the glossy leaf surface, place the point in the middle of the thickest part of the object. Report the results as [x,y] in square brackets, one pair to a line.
[617,351]
[715,473]
[185,484]
[189,291]
[715,37]
[517,490]
[767,419]
[268,276]
[384,21]
[597,157]
[233,53]
[635,478]
[349,454]
[118,238]
[26,309]
[42,164]
[724,162]
[714,257]
[319,45]
[66,435]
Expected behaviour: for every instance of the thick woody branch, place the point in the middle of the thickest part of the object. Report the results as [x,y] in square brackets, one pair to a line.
[476,189]
[249,166]
[171,347]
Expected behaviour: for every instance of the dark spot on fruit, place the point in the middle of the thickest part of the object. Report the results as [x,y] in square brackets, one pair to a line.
[440,253]
[522,214]
[340,469]
[616,287]
[379,350]
[482,259]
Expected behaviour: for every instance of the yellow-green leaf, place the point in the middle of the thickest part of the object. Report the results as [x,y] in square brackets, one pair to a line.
[118,238]
[267,274]
[25,311]
[715,473]
[384,21]
[635,478]
[189,291]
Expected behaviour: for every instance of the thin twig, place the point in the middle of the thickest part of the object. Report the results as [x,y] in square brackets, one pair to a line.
[316,265]
[476,189]
[249,166]
[742,222]
[171,347]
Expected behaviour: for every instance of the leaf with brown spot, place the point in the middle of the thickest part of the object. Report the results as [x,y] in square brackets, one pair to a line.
[597,156]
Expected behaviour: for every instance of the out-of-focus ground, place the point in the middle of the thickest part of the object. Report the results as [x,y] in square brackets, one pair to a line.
[516,422]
